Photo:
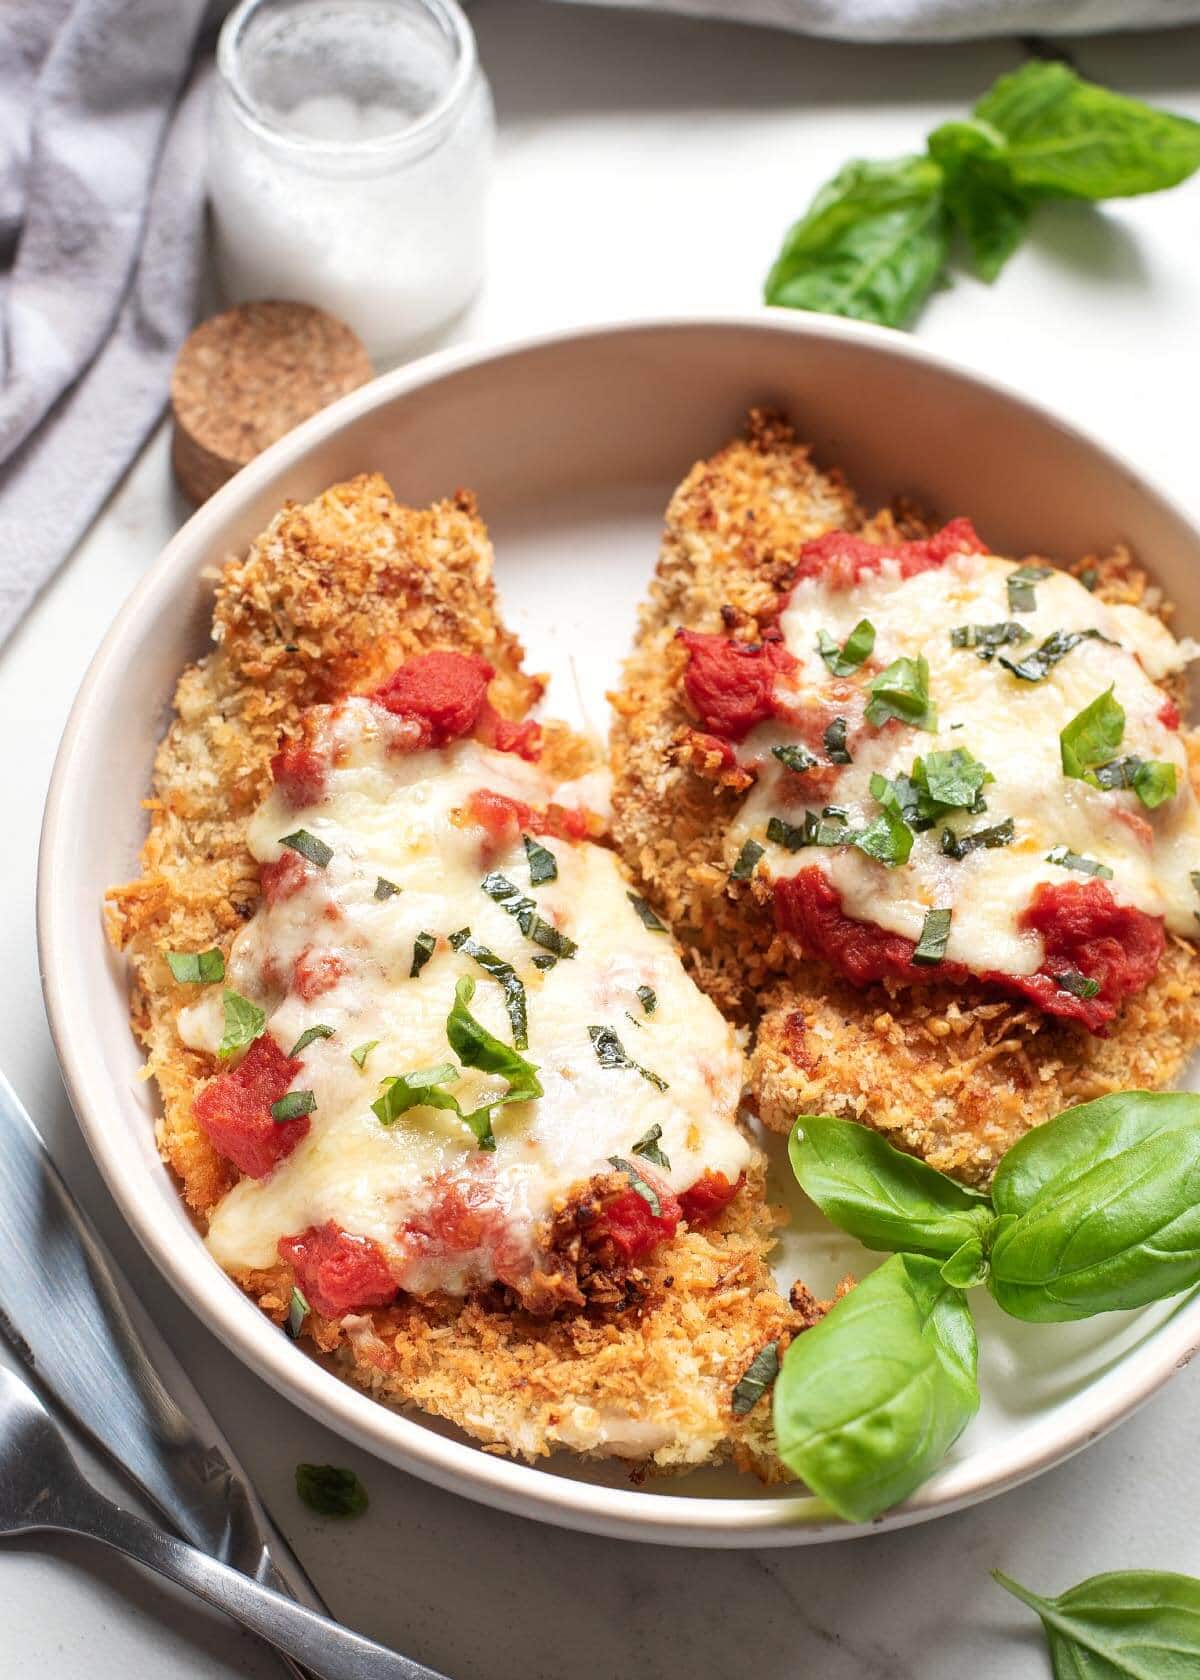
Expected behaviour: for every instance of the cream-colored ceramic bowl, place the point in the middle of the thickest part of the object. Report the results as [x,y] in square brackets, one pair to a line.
[573,443]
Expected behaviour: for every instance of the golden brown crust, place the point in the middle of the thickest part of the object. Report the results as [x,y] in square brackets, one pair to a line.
[329,600]
[954,1077]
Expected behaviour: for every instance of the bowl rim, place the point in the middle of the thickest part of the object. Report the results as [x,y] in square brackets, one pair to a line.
[625,1513]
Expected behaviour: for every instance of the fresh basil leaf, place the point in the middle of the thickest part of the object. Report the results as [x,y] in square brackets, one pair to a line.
[935,934]
[1074,139]
[292,1105]
[871,244]
[949,781]
[1092,737]
[794,756]
[359,1056]
[196,968]
[611,1053]
[648,999]
[888,1200]
[844,661]
[330,1491]
[1154,783]
[424,946]
[309,846]
[506,977]
[829,829]
[869,1401]
[991,211]
[298,1311]
[418,1089]
[244,1022]
[986,639]
[888,838]
[967,1266]
[835,742]
[476,1047]
[647,1147]
[542,864]
[902,691]
[1067,859]
[642,1186]
[385,888]
[307,1037]
[747,861]
[755,1380]
[1133,1624]
[1100,1208]
[1037,666]
[959,846]
[648,918]
[1021,579]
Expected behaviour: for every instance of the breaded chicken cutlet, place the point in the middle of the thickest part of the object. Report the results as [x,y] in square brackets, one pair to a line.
[818,712]
[434,1082]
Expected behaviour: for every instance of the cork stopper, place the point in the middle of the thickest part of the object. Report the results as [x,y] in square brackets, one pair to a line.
[247,376]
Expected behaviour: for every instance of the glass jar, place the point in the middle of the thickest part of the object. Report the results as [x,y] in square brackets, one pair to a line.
[350,157]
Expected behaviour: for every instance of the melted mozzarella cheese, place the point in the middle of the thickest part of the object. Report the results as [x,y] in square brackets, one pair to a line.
[399,816]
[1013,728]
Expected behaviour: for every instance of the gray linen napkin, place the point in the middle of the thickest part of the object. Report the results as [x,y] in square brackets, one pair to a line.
[101,219]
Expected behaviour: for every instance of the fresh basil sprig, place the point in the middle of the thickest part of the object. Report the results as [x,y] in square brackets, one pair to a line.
[869,1401]
[1139,1623]
[874,241]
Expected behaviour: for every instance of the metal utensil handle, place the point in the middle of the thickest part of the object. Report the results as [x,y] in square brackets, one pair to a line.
[329,1651]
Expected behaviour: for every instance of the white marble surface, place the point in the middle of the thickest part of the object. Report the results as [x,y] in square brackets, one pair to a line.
[650,164]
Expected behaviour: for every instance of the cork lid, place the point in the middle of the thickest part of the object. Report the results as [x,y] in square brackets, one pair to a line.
[247,376]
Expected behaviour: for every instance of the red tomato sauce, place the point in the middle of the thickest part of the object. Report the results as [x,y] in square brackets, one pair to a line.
[1168,714]
[631,1224]
[703,1201]
[731,685]
[234,1111]
[283,877]
[841,559]
[1083,928]
[300,773]
[504,820]
[337,1272]
[316,972]
[464,1217]
[442,692]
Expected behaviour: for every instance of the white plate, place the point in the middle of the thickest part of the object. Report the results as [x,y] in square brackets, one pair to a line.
[573,443]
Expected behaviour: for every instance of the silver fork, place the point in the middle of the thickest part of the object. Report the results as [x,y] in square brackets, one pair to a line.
[42,1487]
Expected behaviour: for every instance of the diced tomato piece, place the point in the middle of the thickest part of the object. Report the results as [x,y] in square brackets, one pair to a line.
[465,1216]
[234,1111]
[632,1225]
[284,877]
[731,685]
[443,692]
[1086,931]
[1168,714]
[524,739]
[504,819]
[840,558]
[300,773]
[712,1191]
[316,972]
[338,1272]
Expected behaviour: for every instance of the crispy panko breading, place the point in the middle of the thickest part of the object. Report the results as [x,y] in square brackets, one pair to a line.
[329,600]
[955,1076]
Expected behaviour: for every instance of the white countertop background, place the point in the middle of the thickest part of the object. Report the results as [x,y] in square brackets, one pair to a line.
[649,164]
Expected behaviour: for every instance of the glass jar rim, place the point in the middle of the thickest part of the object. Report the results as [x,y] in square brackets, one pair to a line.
[453,22]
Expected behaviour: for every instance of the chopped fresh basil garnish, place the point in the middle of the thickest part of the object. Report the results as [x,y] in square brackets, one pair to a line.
[244,1022]
[642,1185]
[1089,578]
[1037,666]
[499,887]
[794,756]
[647,998]
[959,846]
[307,1037]
[902,692]
[1021,597]
[196,968]
[986,639]
[949,781]
[888,839]
[649,919]
[931,947]
[1072,981]
[544,961]
[859,645]
[1088,745]
[292,1106]
[611,1053]
[476,1047]
[385,888]
[828,830]
[755,1380]
[418,1089]
[835,742]
[1067,859]
[316,851]
[542,865]
[359,1055]
[424,946]
[524,909]
[647,1147]
[747,860]
[506,976]
[330,1491]
[1154,783]
[298,1311]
